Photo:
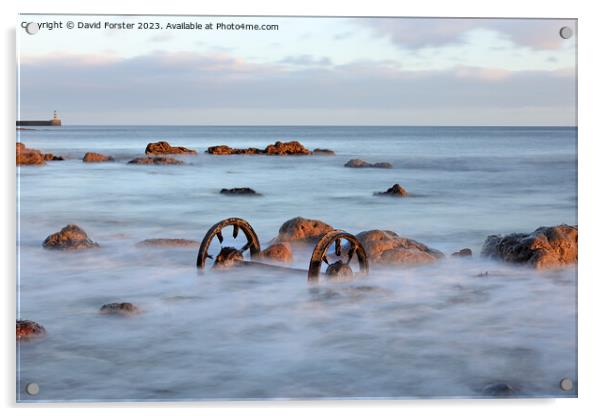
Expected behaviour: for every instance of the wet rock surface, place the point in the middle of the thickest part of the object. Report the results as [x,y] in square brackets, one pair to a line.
[302,230]
[544,248]
[71,237]
[276,149]
[279,252]
[155,161]
[164,148]
[386,247]
[339,270]
[27,330]
[465,252]
[323,152]
[239,191]
[120,309]
[358,163]
[92,157]
[27,156]
[168,243]
[396,191]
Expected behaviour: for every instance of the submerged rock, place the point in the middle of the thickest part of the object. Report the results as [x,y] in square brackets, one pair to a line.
[239,191]
[164,148]
[499,390]
[395,191]
[123,309]
[155,161]
[92,157]
[51,157]
[228,257]
[281,252]
[339,270]
[386,247]
[29,329]
[278,148]
[358,163]
[465,252]
[168,242]
[71,237]
[324,152]
[546,247]
[301,229]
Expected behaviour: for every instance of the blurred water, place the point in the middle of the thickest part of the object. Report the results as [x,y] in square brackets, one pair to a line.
[431,331]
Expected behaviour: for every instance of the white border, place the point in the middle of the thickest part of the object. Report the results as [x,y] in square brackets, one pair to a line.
[590,137]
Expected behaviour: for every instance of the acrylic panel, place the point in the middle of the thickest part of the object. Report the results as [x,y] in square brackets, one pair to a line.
[280,207]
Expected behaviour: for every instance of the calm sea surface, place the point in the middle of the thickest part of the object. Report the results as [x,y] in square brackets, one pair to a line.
[437,330]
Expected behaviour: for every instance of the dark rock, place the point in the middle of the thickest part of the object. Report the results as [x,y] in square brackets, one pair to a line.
[395,191]
[155,161]
[122,309]
[92,157]
[358,163]
[51,157]
[227,150]
[228,257]
[239,191]
[339,269]
[465,252]
[324,152]
[168,242]
[164,148]
[302,230]
[280,252]
[499,390]
[546,247]
[27,330]
[386,247]
[71,237]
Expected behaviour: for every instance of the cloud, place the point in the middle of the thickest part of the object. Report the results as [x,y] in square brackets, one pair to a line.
[419,33]
[219,84]
[305,60]
[162,37]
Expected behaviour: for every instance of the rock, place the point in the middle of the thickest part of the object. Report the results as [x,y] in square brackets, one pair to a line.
[301,229]
[122,309]
[358,163]
[155,161]
[281,252]
[544,248]
[465,252]
[228,257]
[386,247]
[29,329]
[51,157]
[227,150]
[92,157]
[395,191]
[239,191]
[26,156]
[286,148]
[339,270]
[70,237]
[324,152]
[499,390]
[168,242]
[164,148]
[278,148]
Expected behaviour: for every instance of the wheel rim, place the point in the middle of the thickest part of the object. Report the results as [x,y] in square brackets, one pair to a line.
[237,224]
[319,254]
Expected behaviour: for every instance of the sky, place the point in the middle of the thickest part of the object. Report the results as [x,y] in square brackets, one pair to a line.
[311,71]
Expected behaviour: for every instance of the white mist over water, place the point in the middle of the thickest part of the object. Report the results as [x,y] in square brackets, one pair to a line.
[437,330]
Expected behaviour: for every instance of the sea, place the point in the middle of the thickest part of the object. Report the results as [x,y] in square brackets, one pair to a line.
[457,328]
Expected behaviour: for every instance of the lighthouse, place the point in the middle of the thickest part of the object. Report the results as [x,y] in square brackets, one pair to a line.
[56,121]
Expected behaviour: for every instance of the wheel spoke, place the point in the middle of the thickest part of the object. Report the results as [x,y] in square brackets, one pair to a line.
[337,246]
[350,254]
[220,237]
[245,247]
[235,231]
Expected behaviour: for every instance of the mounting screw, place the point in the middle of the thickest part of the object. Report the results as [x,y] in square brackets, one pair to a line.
[566,32]
[566,384]
[32,28]
[32,389]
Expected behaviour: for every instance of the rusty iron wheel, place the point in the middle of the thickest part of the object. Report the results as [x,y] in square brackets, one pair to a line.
[237,224]
[319,254]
